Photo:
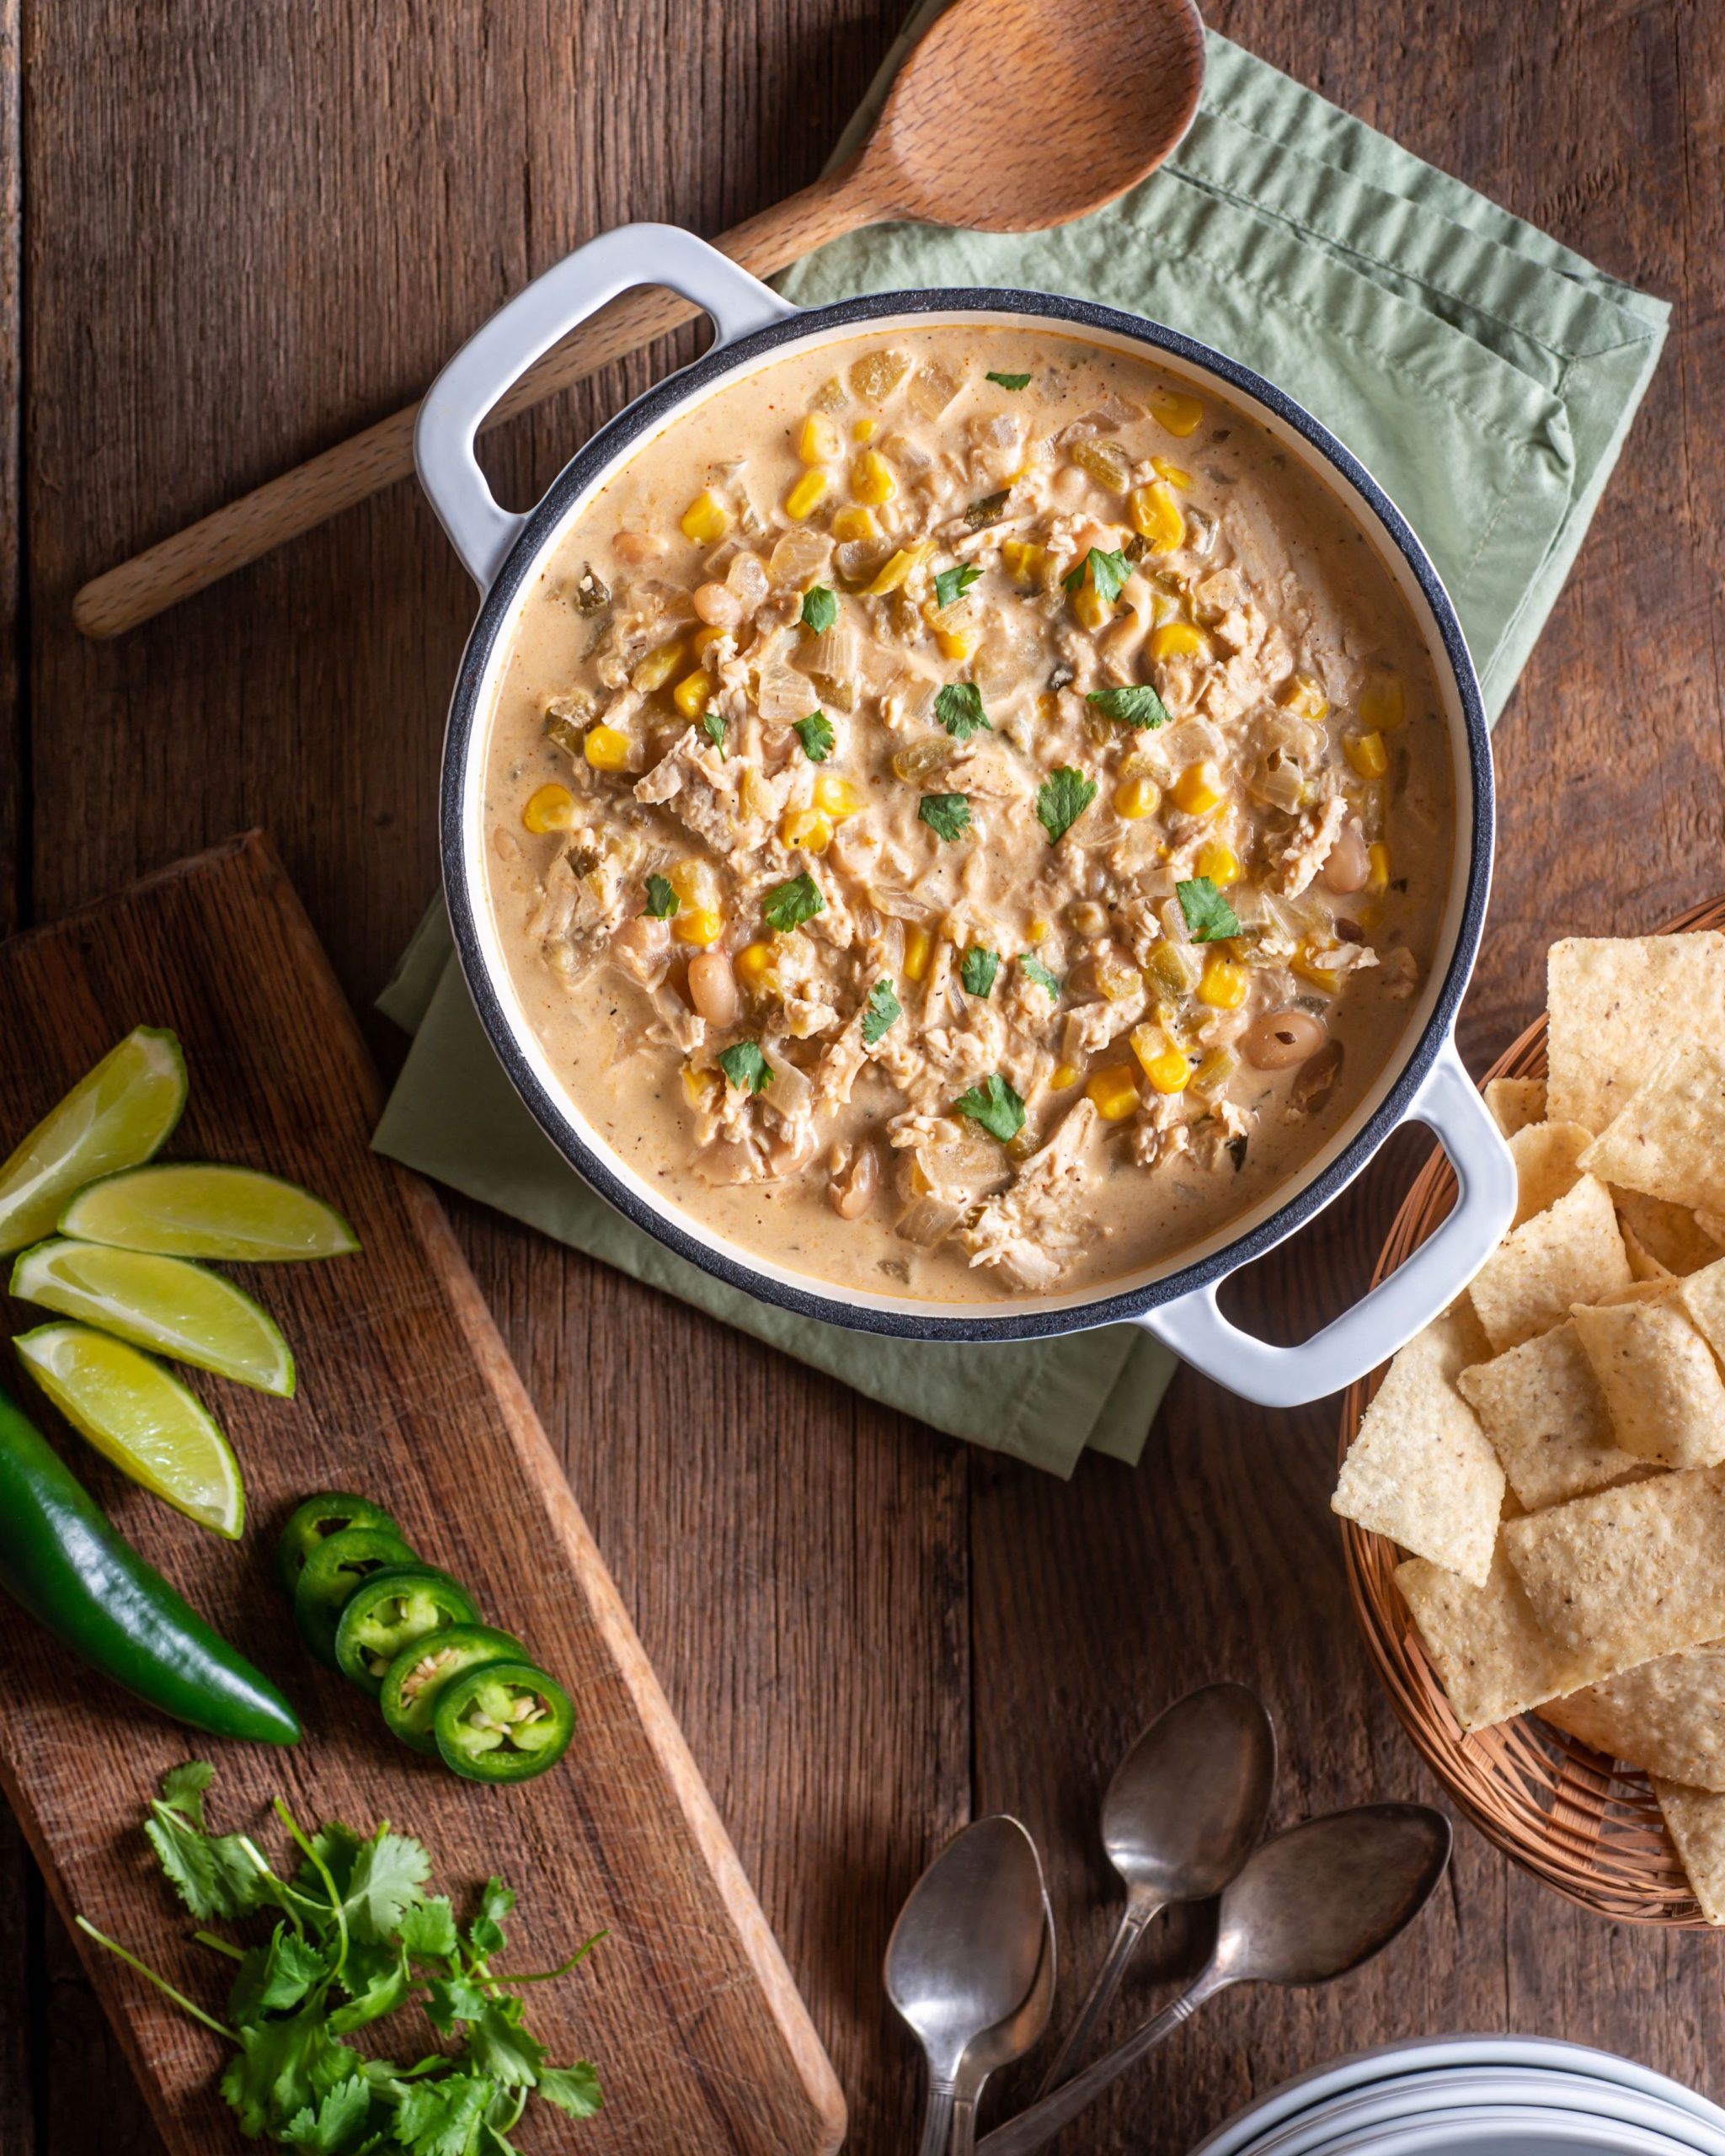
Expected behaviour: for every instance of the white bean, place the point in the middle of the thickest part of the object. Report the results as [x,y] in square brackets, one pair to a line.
[713,989]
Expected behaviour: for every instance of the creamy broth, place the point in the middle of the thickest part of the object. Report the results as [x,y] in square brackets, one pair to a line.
[960,839]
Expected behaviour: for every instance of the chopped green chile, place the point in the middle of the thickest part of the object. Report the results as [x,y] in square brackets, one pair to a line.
[414,1681]
[505,1721]
[332,1572]
[395,1609]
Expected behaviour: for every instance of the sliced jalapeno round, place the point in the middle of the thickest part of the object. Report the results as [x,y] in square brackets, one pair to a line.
[505,1721]
[414,1681]
[390,1611]
[315,1521]
[332,1572]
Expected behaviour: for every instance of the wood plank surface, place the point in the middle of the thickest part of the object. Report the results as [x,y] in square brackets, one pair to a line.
[248,230]
[404,1392]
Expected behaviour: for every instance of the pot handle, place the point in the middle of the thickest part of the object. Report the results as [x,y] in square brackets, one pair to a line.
[1449,1105]
[493,359]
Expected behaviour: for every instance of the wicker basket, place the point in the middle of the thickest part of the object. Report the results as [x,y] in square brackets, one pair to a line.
[1583,1824]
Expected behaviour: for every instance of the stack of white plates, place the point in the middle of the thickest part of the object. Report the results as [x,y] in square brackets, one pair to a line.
[1477,2096]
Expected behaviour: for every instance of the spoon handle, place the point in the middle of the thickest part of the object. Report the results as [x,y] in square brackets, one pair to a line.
[964,2125]
[937,2120]
[1045,2117]
[1077,2041]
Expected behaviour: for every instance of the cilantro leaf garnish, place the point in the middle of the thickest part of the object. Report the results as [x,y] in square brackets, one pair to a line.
[1061,799]
[951,584]
[977,970]
[947,815]
[746,1067]
[788,905]
[662,900]
[1010,381]
[1033,969]
[959,708]
[712,726]
[816,735]
[995,1106]
[820,608]
[1108,575]
[1209,918]
[880,1014]
[1138,705]
[572,2088]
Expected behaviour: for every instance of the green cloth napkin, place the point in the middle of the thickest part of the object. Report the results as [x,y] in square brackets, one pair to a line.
[1486,375]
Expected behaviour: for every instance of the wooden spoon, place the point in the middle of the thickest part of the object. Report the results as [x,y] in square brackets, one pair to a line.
[1008,116]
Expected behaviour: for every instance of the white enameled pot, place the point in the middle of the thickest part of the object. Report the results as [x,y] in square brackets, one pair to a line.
[1175,1299]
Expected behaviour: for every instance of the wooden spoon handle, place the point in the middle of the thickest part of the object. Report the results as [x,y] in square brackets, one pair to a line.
[299,500]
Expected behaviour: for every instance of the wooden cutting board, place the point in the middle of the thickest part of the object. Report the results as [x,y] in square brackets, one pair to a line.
[405,1393]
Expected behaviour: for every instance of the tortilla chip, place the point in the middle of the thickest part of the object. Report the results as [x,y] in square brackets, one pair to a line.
[1541,1407]
[1668,1716]
[1670,1234]
[1515,1102]
[1572,1253]
[1702,1296]
[1420,1471]
[1711,1224]
[1623,1575]
[1668,1139]
[1660,1381]
[1694,1818]
[1547,1164]
[1608,999]
[1484,1641]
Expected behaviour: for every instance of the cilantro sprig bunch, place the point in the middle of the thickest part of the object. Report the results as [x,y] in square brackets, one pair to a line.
[357,1939]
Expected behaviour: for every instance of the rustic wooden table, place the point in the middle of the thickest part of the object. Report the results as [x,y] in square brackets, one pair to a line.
[228,235]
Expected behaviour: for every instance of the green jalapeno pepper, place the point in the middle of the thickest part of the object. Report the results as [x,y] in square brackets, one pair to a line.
[332,1572]
[315,1521]
[414,1681]
[392,1611]
[505,1721]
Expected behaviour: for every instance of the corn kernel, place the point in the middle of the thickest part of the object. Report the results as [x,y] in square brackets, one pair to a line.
[1218,860]
[1199,789]
[1178,640]
[1166,468]
[656,669]
[1304,963]
[809,829]
[850,524]
[818,443]
[1092,609]
[695,883]
[706,520]
[700,1087]
[896,569]
[1037,932]
[1379,856]
[1383,701]
[1180,415]
[1156,516]
[872,481]
[1367,754]
[1224,985]
[1114,1091]
[1302,696]
[1024,560]
[704,639]
[838,797]
[808,495]
[1170,1072]
[692,695]
[958,644]
[552,808]
[919,949]
[1137,797]
[1064,1074]
[752,965]
[701,925]
[864,430]
[606,749]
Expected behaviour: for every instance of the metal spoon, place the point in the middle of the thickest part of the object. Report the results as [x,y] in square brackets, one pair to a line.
[1007,2040]
[964,1953]
[1312,1904]
[1183,1811]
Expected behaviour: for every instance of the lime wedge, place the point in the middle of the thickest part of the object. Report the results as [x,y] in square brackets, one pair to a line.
[142,1417]
[164,1303]
[193,1208]
[116,1116]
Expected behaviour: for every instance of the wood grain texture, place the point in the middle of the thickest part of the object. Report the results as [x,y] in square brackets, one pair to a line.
[405,1390]
[249,233]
